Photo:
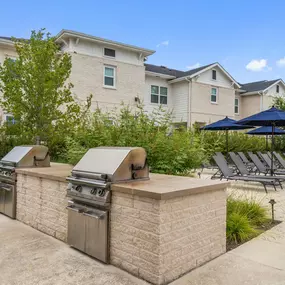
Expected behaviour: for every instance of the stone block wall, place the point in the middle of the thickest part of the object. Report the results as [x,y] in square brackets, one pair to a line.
[160,240]
[41,204]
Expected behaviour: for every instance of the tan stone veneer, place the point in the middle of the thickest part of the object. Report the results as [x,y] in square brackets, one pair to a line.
[160,240]
[41,204]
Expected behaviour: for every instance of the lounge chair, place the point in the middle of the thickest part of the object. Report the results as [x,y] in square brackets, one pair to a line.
[250,165]
[280,160]
[267,160]
[228,174]
[260,167]
[244,171]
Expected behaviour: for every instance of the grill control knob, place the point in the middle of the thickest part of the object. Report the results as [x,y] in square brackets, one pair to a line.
[78,188]
[101,192]
[93,191]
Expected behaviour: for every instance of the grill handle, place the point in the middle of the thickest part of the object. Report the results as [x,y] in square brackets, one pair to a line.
[87,182]
[98,217]
[72,208]
[4,187]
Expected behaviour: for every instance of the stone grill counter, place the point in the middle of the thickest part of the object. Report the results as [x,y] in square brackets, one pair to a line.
[160,229]
[167,226]
[41,199]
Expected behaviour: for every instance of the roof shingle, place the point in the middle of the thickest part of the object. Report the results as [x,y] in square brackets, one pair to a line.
[173,72]
[258,85]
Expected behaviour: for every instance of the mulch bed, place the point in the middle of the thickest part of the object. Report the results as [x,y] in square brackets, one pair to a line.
[261,229]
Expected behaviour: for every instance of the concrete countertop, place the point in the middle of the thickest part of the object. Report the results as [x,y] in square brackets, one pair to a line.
[161,186]
[56,171]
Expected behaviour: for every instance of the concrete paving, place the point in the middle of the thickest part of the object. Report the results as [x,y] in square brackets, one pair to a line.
[29,257]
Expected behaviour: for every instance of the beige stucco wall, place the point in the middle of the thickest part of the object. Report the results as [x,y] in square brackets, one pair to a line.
[87,77]
[41,204]
[250,104]
[160,240]
[202,110]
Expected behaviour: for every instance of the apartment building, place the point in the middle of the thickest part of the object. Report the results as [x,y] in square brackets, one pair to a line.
[116,72]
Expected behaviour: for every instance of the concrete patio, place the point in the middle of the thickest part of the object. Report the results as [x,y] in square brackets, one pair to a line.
[30,257]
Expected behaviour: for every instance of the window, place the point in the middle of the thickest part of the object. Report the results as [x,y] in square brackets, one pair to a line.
[158,95]
[154,94]
[277,88]
[109,76]
[236,106]
[214,74]
[214,94]
[163,95]
[109,52]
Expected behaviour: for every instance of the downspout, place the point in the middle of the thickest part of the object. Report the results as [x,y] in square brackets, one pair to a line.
[189,121]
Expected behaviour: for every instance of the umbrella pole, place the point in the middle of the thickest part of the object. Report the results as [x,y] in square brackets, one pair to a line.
[272,146]
[266,142]
[227,142]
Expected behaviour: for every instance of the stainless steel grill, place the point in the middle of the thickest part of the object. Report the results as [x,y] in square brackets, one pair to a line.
[19,156]
[89,188]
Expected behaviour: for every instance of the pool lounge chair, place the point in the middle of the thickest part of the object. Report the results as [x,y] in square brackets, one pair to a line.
[260,167]
[244,171]
[249,165]
[228,174]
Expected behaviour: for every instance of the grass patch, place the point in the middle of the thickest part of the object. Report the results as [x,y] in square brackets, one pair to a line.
[245,220]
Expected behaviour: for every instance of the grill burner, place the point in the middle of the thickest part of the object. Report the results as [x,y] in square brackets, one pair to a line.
[19,156]
[89,188]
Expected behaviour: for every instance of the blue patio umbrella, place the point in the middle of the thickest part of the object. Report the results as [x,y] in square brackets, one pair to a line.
[272,117]
[266,131]
[225,124]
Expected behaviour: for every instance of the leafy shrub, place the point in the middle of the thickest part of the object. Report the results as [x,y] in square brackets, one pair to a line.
[243,216]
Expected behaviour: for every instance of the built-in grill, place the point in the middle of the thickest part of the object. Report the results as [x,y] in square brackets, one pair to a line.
[19,156]
[89,188]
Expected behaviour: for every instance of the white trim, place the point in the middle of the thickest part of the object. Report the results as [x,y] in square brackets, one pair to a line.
[206,69]
[217,94]
[154,74]
[237,106]
[75,34]
[114,76]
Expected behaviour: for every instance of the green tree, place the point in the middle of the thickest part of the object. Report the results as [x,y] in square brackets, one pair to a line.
[36,89]
[279,102]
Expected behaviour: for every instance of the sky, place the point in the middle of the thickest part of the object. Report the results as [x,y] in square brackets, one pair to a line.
[245,37]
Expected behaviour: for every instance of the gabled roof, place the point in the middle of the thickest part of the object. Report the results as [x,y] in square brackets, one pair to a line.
[258,85]
[179,75]
[70,33]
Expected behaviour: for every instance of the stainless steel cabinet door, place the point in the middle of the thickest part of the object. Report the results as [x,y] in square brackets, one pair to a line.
[76,228]
[96,223]
[2,200]
[10,201]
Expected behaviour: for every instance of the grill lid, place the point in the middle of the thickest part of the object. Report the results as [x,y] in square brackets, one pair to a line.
[113,164]
[27,156]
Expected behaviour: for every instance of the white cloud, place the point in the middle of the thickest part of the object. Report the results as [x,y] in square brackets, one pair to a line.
[196,65]
[164,43]
[281,62]
[258,65]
